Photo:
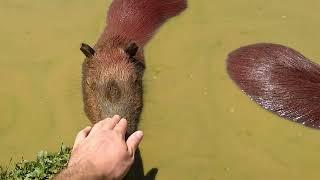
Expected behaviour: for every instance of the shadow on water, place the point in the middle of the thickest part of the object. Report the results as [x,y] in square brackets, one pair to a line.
[137,172]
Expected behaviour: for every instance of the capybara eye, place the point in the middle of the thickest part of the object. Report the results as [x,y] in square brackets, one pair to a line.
[138,64]
[132,50]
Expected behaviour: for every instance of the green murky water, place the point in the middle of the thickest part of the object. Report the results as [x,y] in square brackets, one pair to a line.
[197,124]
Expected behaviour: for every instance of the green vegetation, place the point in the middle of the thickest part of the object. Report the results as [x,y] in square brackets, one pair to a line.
[44,167]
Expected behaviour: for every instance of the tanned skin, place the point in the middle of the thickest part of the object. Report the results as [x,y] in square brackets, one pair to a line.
[102,152]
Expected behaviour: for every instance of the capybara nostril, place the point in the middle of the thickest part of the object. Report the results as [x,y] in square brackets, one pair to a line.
[113,91]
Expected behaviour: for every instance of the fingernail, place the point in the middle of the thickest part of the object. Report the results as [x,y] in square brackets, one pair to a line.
[123,119]
[116,116]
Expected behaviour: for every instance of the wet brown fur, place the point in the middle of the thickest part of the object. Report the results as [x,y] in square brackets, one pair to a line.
[112,80]
[280,79]
[112,84]
[113,70]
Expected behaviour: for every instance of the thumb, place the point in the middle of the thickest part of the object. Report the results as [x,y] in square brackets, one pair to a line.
[134,141]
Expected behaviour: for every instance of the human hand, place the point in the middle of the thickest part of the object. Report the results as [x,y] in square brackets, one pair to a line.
[102,149]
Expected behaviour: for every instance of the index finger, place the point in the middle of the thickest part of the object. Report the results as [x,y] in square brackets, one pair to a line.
[112,122]
[108,123]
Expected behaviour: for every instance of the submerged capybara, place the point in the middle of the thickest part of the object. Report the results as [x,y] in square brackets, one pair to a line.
[279,79]
[114,67]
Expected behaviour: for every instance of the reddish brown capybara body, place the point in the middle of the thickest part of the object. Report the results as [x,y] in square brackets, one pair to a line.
[280,79]
[113,69]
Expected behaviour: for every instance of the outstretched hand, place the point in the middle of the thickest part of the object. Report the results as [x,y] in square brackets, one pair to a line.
[102,151]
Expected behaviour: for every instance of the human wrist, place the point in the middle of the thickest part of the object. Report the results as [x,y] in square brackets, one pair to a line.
[99,174]
[81,171]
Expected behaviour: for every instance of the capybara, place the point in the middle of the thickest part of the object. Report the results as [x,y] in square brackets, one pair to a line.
[114,67]
[280,79]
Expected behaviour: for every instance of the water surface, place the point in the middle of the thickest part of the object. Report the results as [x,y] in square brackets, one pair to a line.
[197,123]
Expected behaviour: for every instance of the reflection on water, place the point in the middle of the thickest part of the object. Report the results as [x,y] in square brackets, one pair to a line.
[197,123]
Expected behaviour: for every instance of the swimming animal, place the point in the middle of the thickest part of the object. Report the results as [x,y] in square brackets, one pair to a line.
[280,79]
[113,69]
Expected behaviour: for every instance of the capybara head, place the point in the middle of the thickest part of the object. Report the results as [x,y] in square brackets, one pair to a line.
[112,81]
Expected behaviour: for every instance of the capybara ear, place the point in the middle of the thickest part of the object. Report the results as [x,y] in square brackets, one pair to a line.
[132,50]
[87,50]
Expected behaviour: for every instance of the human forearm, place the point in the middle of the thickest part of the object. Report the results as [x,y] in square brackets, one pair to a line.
[79,172]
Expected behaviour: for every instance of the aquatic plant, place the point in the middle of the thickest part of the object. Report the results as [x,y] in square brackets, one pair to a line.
[45,166]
